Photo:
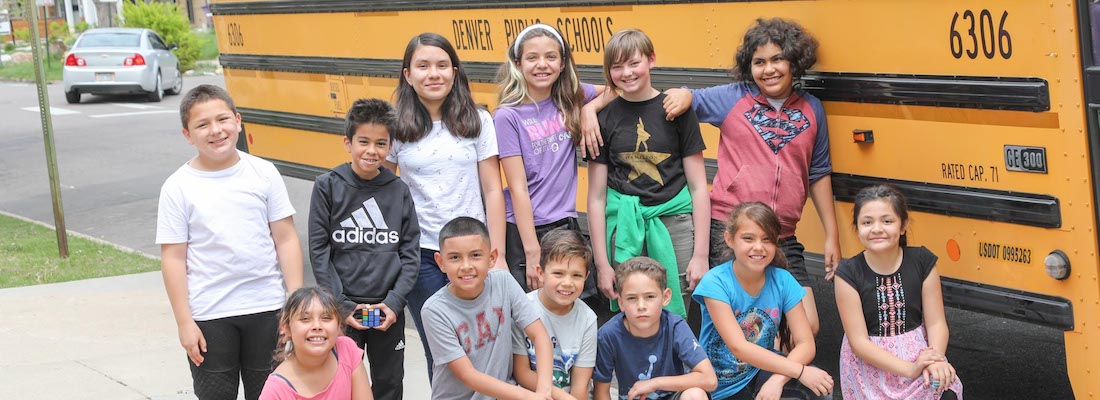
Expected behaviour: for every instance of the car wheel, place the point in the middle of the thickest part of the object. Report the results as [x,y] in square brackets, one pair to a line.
[73,97]
[158,93]
[178,87]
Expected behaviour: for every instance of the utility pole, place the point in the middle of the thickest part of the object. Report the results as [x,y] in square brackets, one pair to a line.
[47,133]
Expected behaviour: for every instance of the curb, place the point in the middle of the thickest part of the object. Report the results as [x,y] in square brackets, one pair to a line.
[83,236]
[21,80]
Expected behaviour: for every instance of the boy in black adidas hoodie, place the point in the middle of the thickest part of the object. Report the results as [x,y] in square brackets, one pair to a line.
[364,242]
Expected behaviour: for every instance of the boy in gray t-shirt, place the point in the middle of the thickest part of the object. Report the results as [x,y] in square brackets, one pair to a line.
[469,322]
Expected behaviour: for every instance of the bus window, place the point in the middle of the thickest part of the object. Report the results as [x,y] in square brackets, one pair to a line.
[1094,25]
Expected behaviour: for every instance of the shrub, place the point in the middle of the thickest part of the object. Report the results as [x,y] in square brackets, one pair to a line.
[167,21]
[23,35]
[9,47]
[208,45]
[81,27]
[60,37]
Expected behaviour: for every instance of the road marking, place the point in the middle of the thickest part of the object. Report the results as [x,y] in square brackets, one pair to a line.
[53,110]
[129,114]
[138,106]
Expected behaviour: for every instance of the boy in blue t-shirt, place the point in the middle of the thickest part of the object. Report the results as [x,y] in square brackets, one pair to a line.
[652,352]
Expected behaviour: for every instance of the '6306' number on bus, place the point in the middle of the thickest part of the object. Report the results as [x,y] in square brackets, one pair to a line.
[236,38]
[980,36]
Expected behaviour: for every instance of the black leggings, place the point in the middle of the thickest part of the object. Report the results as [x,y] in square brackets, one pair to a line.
[517,260]
[237,349]
[385,350]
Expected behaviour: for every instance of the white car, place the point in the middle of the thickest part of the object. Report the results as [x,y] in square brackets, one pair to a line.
[121,61]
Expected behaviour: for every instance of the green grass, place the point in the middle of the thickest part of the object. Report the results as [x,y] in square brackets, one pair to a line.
[208,45]
[25,70]
[28,256]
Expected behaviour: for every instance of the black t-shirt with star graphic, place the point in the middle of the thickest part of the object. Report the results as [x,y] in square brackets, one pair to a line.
[643,151]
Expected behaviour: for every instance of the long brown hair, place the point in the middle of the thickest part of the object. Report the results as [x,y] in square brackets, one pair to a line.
[459,112]
[296,304]
[768,221]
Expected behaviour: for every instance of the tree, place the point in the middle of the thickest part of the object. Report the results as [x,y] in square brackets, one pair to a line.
[166,20]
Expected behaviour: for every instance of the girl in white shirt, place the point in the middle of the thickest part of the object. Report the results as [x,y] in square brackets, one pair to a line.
[446,151]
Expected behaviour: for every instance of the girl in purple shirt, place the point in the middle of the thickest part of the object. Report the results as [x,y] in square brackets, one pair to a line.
[539,121]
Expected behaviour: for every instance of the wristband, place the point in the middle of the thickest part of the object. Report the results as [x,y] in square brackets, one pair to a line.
[800,373]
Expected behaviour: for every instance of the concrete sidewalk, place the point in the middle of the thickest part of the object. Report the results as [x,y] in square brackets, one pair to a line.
[111,338]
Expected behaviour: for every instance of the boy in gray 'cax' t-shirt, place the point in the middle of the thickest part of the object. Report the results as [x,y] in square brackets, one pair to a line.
[469,322]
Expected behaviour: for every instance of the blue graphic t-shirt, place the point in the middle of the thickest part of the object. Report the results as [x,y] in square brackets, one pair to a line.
[672,351]
[758,316]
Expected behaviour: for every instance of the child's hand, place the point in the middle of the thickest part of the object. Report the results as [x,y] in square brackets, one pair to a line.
[641,390]
[817,380]
[353,322]
[926,357]
[544,393]
[391,317]
[193,341]
[676,102]
[591,139]
[534,280]
[772,389]
[832,258]
[605,280]
[940,371]
[697,267]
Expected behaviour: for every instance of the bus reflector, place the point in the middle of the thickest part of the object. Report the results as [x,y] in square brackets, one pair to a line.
[863,136]
[953,250]
[1057,265]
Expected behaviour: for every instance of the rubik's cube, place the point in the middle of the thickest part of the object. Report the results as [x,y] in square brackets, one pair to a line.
[372,317]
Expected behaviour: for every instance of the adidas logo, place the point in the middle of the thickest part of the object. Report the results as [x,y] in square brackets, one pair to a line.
[400,346]
[366,225]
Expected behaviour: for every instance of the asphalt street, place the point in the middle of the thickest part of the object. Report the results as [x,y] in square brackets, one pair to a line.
[114,152]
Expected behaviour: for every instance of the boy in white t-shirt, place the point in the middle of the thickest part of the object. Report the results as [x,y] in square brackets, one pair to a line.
[570,322]
[229,250]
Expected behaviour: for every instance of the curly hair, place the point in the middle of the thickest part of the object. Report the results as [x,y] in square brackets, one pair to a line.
[799,47]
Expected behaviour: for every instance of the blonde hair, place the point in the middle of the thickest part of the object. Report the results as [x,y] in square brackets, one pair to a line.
[567,94]
[623,45]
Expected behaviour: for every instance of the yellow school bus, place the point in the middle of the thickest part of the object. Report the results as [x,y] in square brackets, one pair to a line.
[984,113]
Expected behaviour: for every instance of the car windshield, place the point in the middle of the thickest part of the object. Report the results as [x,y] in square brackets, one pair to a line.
[115,39]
